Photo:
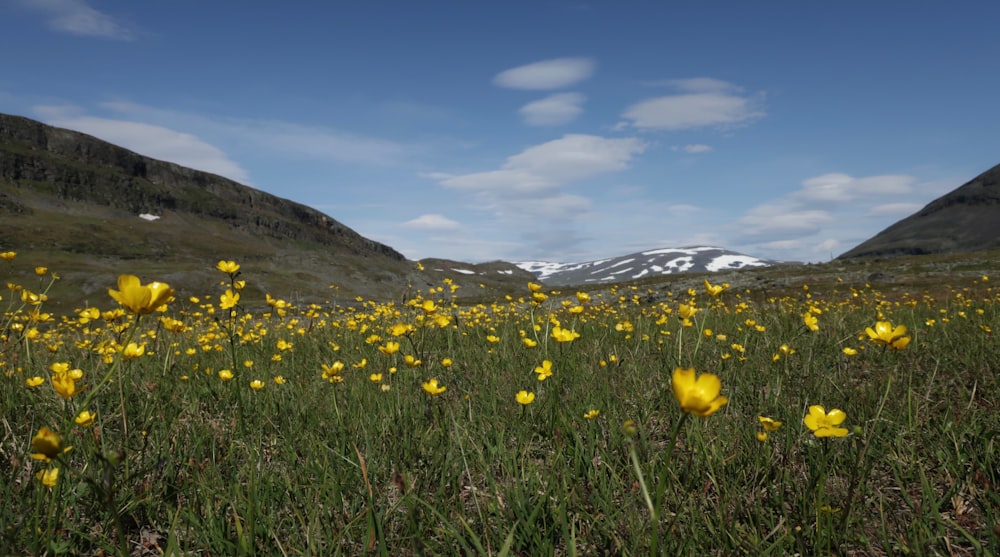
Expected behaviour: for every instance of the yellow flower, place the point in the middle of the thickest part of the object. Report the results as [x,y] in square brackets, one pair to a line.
[256,384]
[375,377]
[401,329]
[825,424]
[544,371]
[812,323]
[770,424]
[713,289]
[331,370]
[686,312]
[49,477]
[564,335]
[229,299]
[411,361]
[446,362]
[529,343]
[225,374]
[8,255]
[133,351]
[534,287]
[848,351]
[64,385]
[47,445]
[40,271]
[279,380]
[885,334]
[432,388]
[525,398]
[429,307]
[582,297]
[762,436]
[492,339]
[228,267]
[139,298]
[34,381]
[591,414]
[389,348]
[85,418]
[698,396]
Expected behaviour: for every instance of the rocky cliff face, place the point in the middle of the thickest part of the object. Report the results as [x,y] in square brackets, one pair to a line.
[965,220]
[36,159]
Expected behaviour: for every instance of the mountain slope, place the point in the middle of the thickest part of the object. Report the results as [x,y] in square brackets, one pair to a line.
[664,261]
[72,202]
[965,220]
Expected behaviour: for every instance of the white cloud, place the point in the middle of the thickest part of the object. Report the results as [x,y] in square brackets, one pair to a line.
[554,110]
[542,168]
[431,223]
[290,140]
[153,141]
[779,220]
[76,17]
[547,74]
[693,149]
[843,188]
[894,210]
[692,110]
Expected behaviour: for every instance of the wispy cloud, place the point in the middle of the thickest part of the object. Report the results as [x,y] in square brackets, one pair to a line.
[693,149]
[705,102]
[76,17]
[286,139]
[547,74]
[827,214]
[431,223]
[527,193]
[150,140]
[554,110]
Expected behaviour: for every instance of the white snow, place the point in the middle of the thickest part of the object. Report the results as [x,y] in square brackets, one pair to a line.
[733,262]
[149,217]
[463,271]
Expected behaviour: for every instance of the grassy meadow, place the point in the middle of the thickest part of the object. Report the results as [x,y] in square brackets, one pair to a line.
[548,423]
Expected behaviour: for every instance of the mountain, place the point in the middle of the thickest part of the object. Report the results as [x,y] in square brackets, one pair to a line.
[966,219]
[90,210]
[664,261]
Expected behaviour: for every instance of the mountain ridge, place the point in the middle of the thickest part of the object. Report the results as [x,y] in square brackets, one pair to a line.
[658,261]
[966,219]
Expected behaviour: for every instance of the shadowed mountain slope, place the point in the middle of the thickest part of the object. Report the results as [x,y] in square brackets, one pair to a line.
[965,220]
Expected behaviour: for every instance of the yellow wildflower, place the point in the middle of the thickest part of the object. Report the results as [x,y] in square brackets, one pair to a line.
[85,418]
[824,424]
[47,445]
[228,267]
[432,388]
[698,396]
[525,398]
[49,478]
[139,298]
[886,335]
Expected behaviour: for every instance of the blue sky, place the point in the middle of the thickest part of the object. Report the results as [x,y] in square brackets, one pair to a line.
[552,130]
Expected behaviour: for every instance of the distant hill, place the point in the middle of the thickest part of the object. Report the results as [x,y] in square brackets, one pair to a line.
[965,220]
[90,210]
[663,261]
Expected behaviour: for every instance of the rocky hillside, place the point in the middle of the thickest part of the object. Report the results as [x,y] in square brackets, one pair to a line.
[90,210]
[965,220]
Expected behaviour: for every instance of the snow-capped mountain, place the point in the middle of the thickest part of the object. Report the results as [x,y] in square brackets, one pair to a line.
[664,261]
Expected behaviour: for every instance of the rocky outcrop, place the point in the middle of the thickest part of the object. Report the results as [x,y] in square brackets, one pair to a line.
[75,167]
[965,220]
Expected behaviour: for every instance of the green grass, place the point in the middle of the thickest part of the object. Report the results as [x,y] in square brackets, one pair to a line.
[309,467]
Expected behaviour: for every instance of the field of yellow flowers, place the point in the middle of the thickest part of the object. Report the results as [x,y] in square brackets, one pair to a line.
[712,421]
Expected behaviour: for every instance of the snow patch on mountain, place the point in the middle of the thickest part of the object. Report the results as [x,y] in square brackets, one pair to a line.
[661,261]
